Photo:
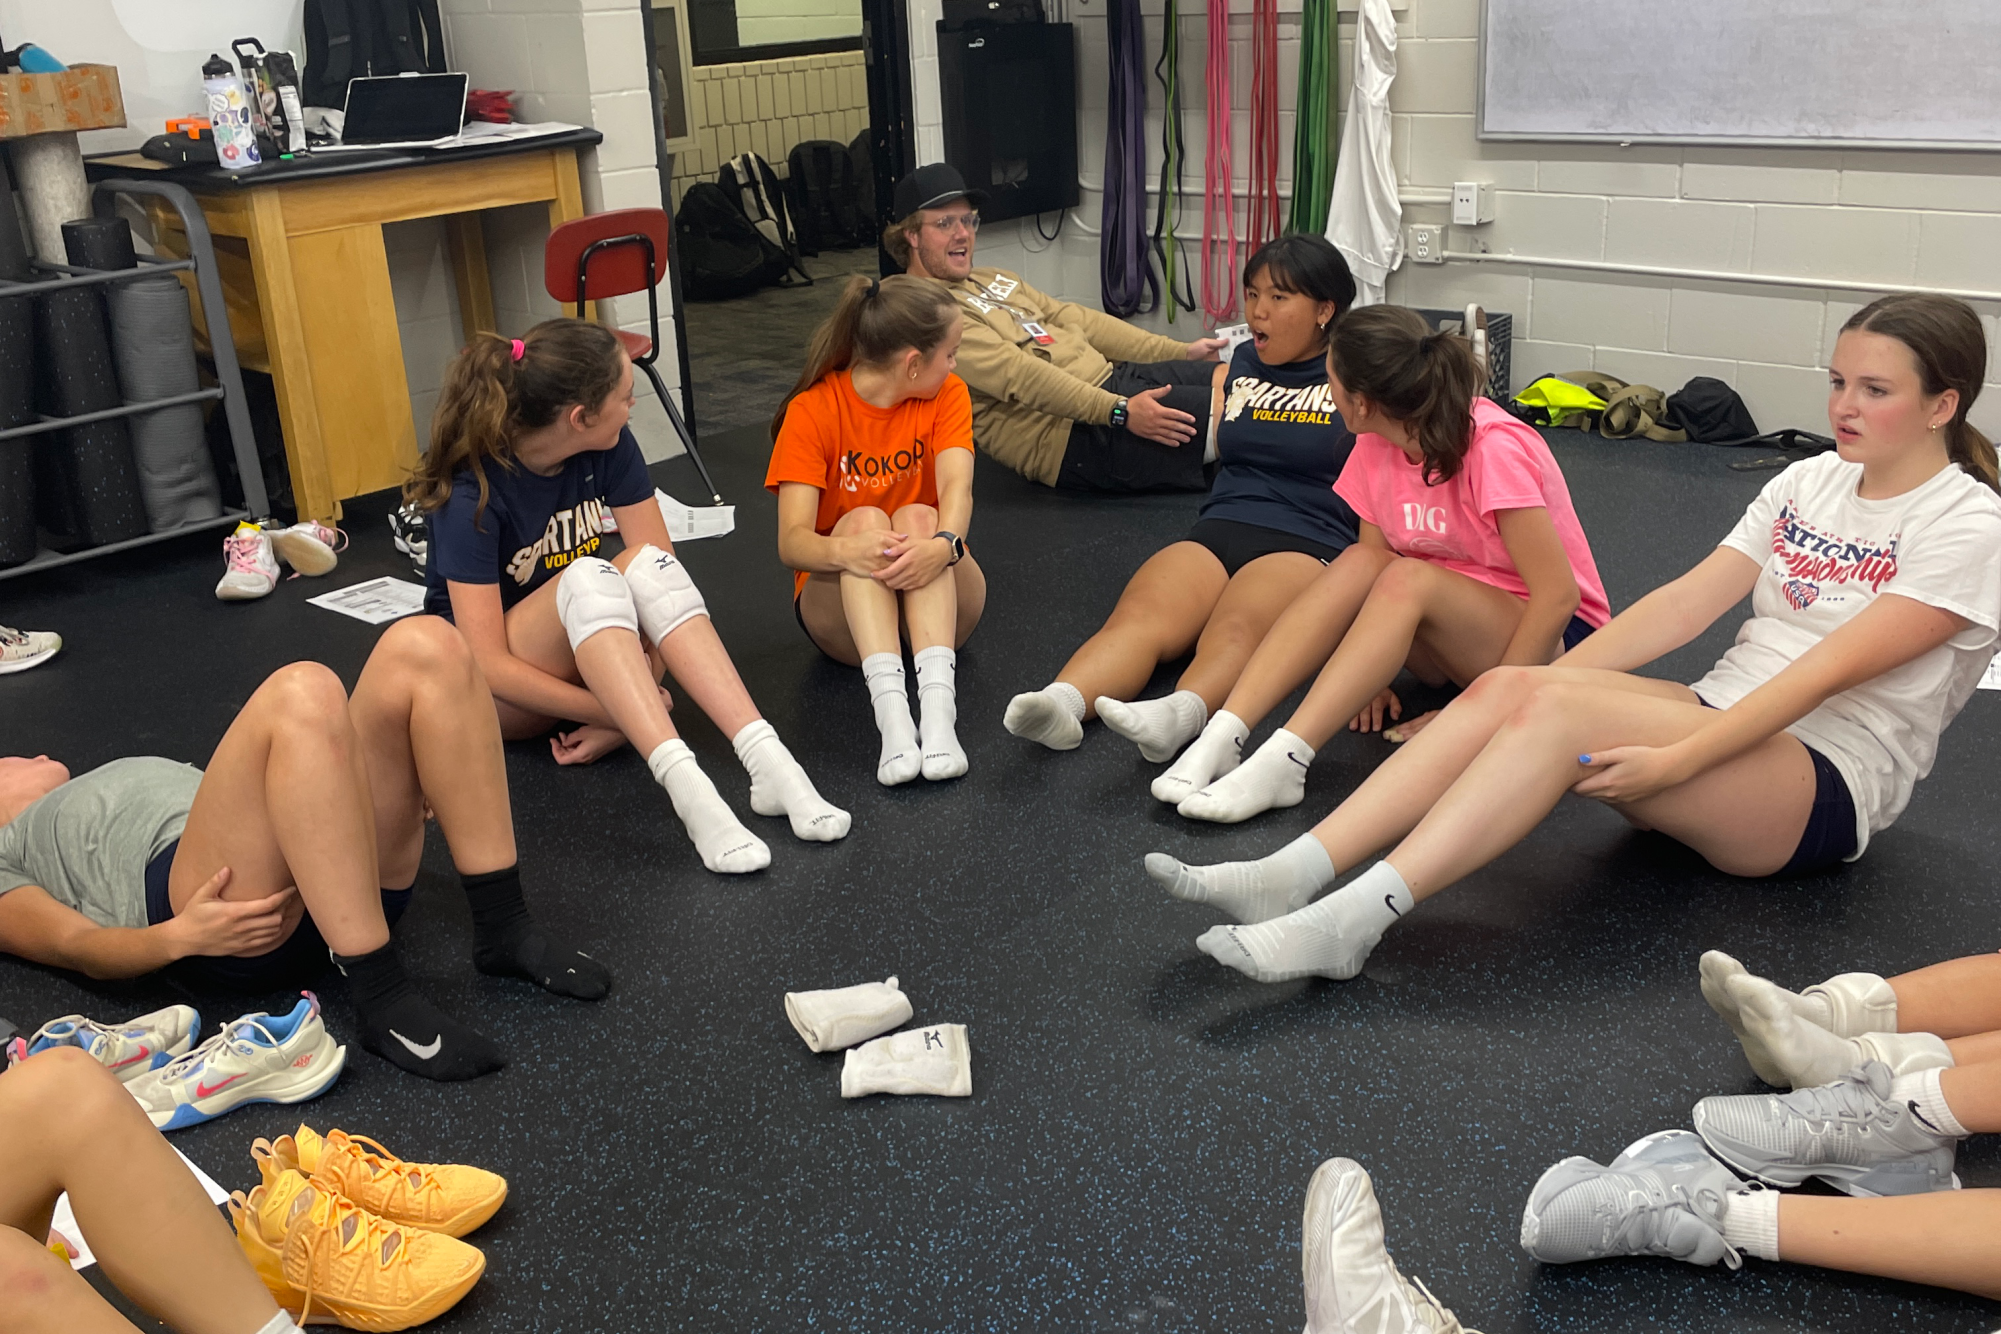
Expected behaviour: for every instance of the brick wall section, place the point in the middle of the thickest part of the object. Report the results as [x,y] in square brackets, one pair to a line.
[767,106]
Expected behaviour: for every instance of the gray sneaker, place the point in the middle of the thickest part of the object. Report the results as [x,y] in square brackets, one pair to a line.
[1664,1195]
[1849,1133]
[1352,1285]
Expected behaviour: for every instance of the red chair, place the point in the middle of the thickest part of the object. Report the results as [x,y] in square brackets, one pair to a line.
[611,254]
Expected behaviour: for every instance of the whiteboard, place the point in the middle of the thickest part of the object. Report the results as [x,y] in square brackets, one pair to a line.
[1889,73]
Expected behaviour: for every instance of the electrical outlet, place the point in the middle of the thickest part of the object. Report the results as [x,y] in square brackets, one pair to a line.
[1424,243]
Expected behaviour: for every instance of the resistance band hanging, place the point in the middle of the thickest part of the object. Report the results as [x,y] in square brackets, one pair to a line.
[1265,218]
[1125,269]
[1219,200]
[1313,151]
[1173,153]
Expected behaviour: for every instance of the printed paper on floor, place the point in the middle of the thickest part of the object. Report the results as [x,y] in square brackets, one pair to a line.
[375,601]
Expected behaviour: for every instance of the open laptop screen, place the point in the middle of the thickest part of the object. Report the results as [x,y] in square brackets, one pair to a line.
[404,109]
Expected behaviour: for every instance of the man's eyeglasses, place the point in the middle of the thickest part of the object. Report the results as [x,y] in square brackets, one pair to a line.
[946,226]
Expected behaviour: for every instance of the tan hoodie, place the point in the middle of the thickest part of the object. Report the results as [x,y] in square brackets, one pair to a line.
[1026,395]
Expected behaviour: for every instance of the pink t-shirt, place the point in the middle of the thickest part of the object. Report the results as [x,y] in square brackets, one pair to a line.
[1509,467]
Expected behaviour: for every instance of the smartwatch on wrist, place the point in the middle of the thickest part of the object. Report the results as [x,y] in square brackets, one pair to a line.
[1119,413]
[958,545]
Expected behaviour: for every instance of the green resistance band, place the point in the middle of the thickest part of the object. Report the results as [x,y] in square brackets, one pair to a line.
[1166,248]
[1313,143]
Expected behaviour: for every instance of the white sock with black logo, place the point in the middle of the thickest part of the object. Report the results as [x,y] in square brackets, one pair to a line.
[1255,891]
[726,846]
[779,786]
[901,758]
[1751,1222]
[1331,938]
[938,712]
[1925,1096]
[1214,753]
[1273,777]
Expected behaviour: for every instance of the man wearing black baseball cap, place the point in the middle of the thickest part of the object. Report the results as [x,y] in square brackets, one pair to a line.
[1063,394]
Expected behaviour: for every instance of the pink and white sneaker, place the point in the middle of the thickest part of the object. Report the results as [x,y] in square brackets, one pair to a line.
[250,569]
[127,1050]
[258,1058]
[309,547]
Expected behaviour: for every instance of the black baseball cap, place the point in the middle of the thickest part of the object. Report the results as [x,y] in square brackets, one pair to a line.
[928,187]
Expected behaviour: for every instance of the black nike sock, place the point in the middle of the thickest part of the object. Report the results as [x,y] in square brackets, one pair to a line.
[399,1024]
[509,942]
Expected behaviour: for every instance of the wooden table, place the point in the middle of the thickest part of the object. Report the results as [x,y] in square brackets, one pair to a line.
[306,278]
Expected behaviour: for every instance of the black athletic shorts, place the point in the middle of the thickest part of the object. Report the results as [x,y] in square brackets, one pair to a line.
[298,958]
[1829,836]
[1112,458]
[1238,544]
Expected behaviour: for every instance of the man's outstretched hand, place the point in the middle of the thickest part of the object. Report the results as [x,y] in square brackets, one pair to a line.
[1150,419]
[1206,349]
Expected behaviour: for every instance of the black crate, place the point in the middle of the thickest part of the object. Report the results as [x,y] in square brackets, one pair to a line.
[1500,345]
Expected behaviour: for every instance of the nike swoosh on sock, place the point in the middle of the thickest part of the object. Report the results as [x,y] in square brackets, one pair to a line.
[425,1052]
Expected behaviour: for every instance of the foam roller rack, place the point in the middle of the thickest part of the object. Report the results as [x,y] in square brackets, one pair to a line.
[201,264]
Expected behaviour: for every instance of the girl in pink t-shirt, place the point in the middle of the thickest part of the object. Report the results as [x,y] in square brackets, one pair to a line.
[1470,557]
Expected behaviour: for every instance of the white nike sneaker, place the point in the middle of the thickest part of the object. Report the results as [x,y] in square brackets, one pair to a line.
[127,1050]
[308,547]
[1352,1285]
[250,570]
[258,1058]
[22,649]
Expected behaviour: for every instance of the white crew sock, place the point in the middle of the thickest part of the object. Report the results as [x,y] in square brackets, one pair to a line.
[1924,1095]
[1212,754]
[726,846]
[1331,938]
[1751,1222]
[1161,727]
[1273,777]
[281,1323]
[779,786]
[938,712]
[1053,715]
[900,759]
[1255,891]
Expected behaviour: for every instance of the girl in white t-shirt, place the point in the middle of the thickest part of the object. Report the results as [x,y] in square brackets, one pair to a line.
[1875,578]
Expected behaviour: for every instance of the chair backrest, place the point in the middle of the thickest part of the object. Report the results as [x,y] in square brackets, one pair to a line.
[614,270]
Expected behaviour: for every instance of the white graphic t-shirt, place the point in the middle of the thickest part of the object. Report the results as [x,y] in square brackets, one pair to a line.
[1827,553]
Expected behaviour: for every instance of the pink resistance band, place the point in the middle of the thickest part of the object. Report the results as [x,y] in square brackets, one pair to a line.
[1219,202]
[1266,218]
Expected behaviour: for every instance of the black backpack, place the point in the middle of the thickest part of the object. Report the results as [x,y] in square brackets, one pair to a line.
[748,181]
[862,151]
[826,196]
[348,39]
[722,254]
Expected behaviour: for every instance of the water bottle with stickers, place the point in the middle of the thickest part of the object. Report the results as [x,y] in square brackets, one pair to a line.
[229,115]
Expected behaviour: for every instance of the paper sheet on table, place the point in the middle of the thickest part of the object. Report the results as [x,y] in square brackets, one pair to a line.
[62,1224]
[685,523]
[1991,678]
[376,601]
[478,130]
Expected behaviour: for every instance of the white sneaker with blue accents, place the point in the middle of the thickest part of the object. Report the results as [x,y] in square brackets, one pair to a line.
[258,1058]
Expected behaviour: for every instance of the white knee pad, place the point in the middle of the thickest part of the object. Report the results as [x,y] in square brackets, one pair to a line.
[663,592]
[592,596]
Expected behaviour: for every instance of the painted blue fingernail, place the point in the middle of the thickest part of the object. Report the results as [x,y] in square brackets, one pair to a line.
[1584,759]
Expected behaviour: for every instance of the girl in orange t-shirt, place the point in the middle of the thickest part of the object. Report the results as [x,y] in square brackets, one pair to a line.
[873,466]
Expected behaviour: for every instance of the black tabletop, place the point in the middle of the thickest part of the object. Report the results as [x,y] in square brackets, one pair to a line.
[319,166]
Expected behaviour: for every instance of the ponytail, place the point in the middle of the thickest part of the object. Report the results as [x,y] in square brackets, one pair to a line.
[1950,347]
[876,319]
[1413,375]
[497,388]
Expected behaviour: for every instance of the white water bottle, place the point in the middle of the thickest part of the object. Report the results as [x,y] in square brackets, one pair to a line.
[229,116]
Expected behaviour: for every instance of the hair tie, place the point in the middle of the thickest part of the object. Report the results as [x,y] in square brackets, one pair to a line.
[874,288]
[520,349]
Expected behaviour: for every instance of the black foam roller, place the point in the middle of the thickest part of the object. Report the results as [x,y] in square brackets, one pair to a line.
[100,243]
[97,496]
[13,246]
[17,408]
[152,345]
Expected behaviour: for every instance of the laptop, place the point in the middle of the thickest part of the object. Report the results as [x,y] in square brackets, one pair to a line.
[402,111]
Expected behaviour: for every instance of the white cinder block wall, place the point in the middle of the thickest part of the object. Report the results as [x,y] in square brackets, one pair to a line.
[1872,215]
[582,61]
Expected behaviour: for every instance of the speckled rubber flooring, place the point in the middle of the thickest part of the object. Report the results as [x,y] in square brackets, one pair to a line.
[1144,1121]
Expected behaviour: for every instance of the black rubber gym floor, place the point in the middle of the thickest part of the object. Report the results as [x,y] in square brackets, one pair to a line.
[1143,1123]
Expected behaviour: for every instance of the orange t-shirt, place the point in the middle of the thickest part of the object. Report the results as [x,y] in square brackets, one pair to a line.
[859,454]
